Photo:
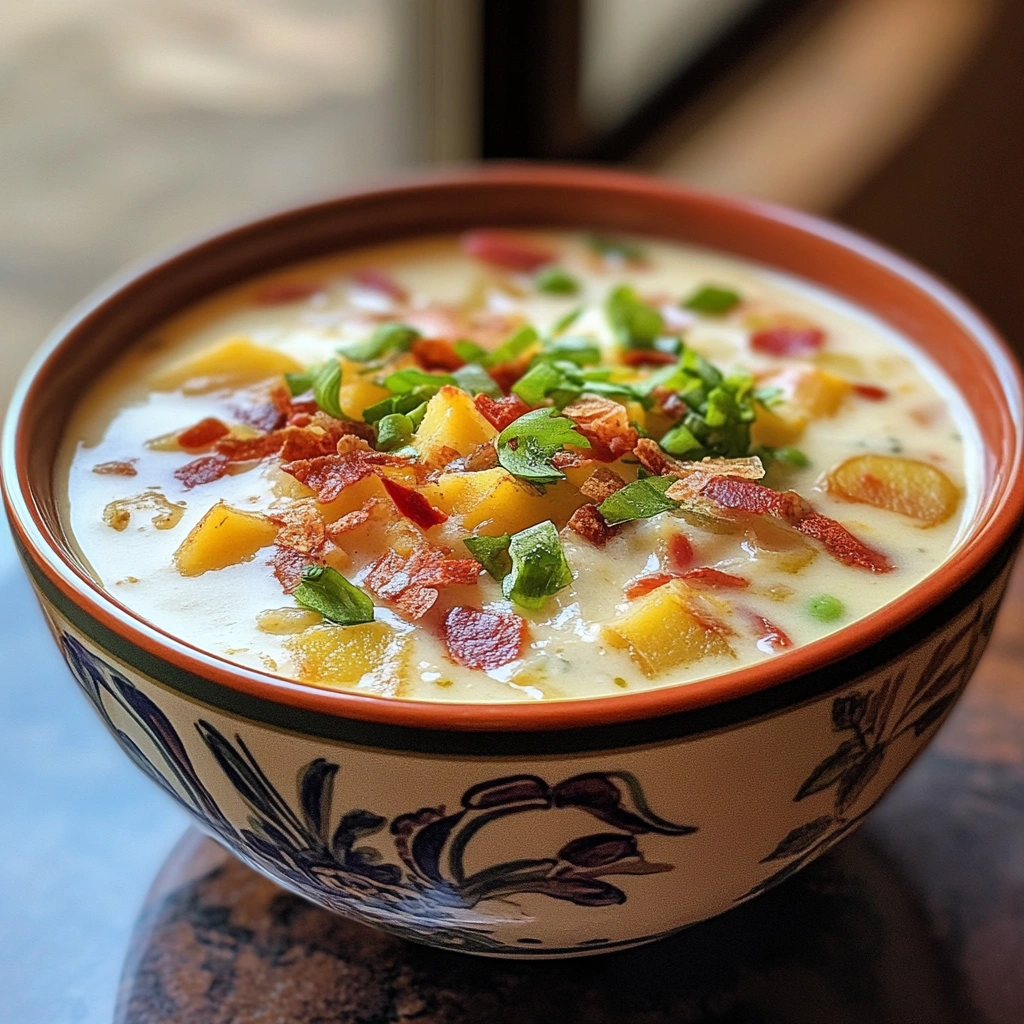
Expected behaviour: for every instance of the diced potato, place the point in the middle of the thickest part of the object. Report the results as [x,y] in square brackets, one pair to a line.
[493,501]
[668,628]
[778,545]
[372,656]
[224,536]
[358,392]
[354,497]
[234,361]
[451,421]
[807,394]
[913,488]
[284,621]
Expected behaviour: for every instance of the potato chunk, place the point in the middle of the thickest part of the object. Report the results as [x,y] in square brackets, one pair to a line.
[224,536]
[234,361]
[913,488]
[807,394]
[669,628]
[493,501]
[451,421]
[372,656]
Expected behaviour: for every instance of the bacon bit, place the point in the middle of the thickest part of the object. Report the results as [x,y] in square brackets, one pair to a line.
[872,392]
[378,280]
[605,424]
[203,433]
[413,505]
[483,456]
[647,357]
[484,639]
[500,412]
[680,552]
[640,585]
[279,293]
[715,578]
[375,508]
[732,492]
[505,375]
[654,460]
[126,468]
[243,449]
[772,637]
[842,545]
[287,564]
[506,249]
[436,354]
[601,484]
[301,528]
[588,522]
[573,458]
[329,475]
[788,340]
[671,404]
[266,416]
[203,470]
[412,584]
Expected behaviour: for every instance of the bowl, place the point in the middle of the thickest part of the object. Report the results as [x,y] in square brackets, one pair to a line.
[555,828]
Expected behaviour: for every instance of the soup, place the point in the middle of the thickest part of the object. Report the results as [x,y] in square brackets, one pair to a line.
[516,466]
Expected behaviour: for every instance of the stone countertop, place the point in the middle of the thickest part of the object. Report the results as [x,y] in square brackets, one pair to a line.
[917,919]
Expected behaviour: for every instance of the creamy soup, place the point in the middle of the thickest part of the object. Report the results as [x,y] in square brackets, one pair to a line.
[516,466]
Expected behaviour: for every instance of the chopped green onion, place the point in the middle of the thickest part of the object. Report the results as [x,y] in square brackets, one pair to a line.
[394,431]
[563,323]
[678,441]
[573,348]
[640,499]
[326,388]
[556,281]
[401,382]
[475,380]
[635,324]
[299,383]
[791,457]
[326,591]
[539,568]
[492,554]
[826,608]
[712,300]
[385,340]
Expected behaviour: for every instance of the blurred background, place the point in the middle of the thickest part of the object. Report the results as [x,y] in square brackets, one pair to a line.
[133,124]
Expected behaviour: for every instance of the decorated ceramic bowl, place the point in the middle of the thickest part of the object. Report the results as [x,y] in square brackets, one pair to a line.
[553,828]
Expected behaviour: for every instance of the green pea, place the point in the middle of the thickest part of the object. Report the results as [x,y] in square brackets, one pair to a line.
[825,607]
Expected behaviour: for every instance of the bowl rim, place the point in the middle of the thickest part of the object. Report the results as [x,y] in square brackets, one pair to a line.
[994,523]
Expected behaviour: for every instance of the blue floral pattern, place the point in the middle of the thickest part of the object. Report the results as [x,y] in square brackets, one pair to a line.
[408,874]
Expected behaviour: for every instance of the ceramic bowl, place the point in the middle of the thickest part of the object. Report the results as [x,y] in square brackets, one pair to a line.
[548,829]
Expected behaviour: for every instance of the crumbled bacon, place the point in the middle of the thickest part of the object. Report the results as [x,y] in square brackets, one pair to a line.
[506,249]
[647,357]
[505,375]
[329,475]
[653,459]
[269,415]
[301,527]
[203,433]
[670,403]
[287,564]
[788,340]
[243,449]
[484,640]
[680,552]
[413,505]
[319,435]
[588,522]
[375,508]
[640,585]
[872,392]
[605,424]
[842,545]
[436,354]
[378,280]
[203,470]
[772,638]
[500,412]
[601,484]
[279,293]
[117,468]
[412,583]
[749,496]
[483,456]
[715,578]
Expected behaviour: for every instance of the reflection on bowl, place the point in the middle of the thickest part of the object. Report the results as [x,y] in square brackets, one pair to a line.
[563,827]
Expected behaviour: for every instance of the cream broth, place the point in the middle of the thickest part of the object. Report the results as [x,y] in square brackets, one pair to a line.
[642,608]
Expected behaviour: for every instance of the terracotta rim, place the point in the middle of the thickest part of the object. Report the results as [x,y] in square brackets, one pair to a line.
[726,223]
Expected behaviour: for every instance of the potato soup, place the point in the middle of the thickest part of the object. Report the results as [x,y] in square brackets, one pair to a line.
[516,466]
